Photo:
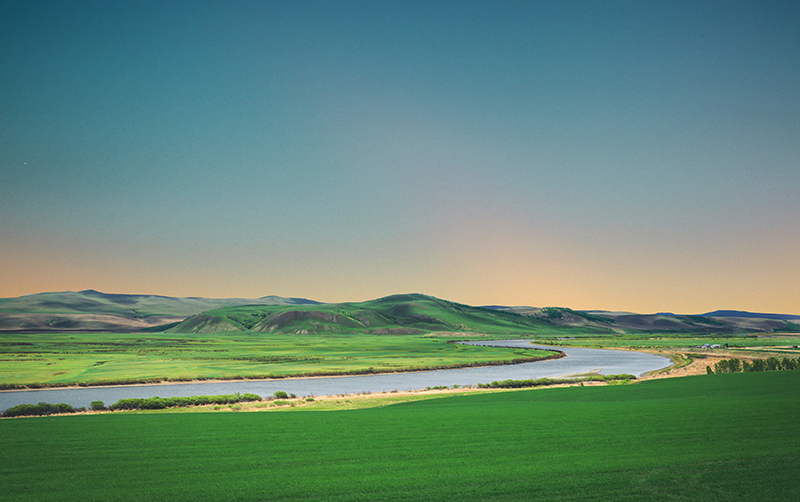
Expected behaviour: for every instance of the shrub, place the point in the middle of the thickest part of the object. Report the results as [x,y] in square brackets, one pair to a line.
[281,395]
[154,403]
[98,405]
[516,384]
[29,410]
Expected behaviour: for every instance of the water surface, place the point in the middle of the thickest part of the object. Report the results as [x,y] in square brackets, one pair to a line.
[577,361]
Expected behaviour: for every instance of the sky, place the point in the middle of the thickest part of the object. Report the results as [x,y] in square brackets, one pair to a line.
[624,155]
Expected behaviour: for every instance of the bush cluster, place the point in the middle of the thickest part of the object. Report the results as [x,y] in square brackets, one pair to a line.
[157,403]
[517,384]
[134,403]
[771,364]
[29,410]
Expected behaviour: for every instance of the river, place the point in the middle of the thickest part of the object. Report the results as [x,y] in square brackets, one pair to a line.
[577,361]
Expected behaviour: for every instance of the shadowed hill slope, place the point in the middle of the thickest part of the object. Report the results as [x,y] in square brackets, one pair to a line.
[95,311]
[713,322]
[392,315]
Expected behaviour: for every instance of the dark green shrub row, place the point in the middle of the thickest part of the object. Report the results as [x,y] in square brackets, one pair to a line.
[153,403]
[517,384]
[157,403]
[29,410]
[771,364]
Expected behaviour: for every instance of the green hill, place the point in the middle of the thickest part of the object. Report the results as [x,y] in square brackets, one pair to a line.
[95,302]
[95,311]
[392,315]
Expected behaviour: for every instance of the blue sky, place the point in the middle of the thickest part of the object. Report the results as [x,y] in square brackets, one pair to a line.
[612,155]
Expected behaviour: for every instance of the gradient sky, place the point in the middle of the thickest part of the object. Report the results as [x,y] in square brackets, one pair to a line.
[640,156]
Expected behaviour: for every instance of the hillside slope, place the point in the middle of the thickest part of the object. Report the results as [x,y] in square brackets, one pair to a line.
[392,315]
[91,310]
[713,322]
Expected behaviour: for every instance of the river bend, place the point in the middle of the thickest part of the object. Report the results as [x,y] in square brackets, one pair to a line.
[577,361]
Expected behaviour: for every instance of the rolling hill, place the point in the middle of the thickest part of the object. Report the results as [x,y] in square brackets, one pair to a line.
[392,315]
[92,310]
[721,321]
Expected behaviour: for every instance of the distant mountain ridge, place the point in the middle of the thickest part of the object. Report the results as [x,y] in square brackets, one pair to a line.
[751,315]
[91,310]
[721,321]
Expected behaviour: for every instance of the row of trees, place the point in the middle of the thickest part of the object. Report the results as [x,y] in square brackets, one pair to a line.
[770,364]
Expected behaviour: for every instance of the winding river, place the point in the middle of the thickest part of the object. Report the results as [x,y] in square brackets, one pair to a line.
[578,361]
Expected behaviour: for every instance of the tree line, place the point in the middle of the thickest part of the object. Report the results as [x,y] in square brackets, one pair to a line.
[743,366]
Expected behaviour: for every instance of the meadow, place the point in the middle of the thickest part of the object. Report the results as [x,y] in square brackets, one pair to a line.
[773,342]
[710,437]
[55,359]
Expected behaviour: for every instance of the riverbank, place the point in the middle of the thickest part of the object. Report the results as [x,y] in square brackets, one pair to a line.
[332,402]
[578,362]
[557,354]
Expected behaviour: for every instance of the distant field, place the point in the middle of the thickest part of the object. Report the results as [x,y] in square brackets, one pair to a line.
[741,342]
[110,357]
[714,437]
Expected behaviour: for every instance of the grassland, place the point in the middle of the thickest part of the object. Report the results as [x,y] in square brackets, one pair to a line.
[735,345]
[715,437]
[58,359]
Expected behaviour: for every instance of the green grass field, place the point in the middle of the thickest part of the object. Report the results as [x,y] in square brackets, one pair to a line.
[741,342]
[715,437]
[57,358]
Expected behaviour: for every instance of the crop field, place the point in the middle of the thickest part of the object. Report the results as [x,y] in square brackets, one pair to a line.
[710,437]
[62,358]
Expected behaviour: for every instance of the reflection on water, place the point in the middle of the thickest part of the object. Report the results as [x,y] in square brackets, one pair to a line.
[607,362]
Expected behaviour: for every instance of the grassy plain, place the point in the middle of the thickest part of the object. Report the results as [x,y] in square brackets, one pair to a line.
[773,343]
[715,437]
[66,358]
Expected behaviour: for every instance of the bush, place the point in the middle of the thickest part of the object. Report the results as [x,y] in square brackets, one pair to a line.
[98,405]
[517,384]
[281,395]
[158,403]
[30,410]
